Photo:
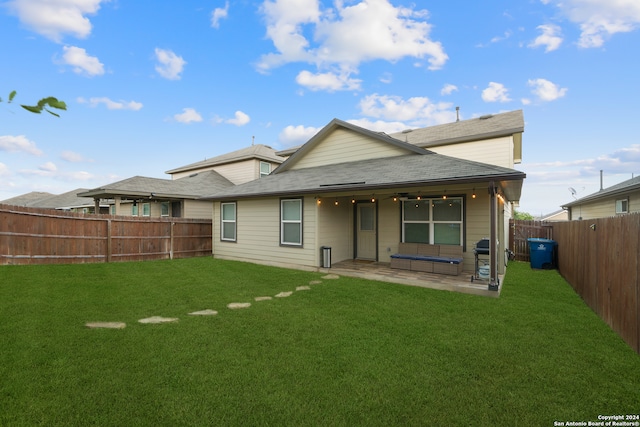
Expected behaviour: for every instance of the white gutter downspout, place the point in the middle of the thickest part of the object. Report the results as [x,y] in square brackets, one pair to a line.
[493,238]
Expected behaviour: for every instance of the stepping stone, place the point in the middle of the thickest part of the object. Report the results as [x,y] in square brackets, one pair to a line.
[303,288]
[315,282]
[106,325]
[158,319]
[284,294]
[331,276]
[236,305]
[207,312]
[262,298]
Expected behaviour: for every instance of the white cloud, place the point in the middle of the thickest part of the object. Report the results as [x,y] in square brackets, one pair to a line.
[496,92]
[188,115]
[73,157]
[380,125]
[295,135]
[600,19]
[4,170]
[346,36]
[111,105]
[218,14]
[20,143]
[240,119]
[550,38]
[330,82]
[54,18]
[170,65]
[448,89]
[81,62]
[546,90]
[395,108]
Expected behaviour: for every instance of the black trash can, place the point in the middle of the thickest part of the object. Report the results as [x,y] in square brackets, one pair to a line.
[325,256]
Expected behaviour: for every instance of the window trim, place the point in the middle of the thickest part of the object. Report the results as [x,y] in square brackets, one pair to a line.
[162,205]
[234,221]
[431,221]
[135,209]
[300,222]
[624,201]
[260,173]
[146,205]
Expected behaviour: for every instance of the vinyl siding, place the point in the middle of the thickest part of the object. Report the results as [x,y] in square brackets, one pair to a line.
[258,235]
[344,145]
[497,151]
[335,227]
[196,209]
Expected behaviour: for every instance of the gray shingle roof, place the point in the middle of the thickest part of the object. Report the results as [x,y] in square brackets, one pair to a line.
[258,151]
[190,187]
[629,185]
[489,126]
[27,199]
[407,170]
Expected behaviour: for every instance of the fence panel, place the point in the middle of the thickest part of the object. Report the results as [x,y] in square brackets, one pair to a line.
[599,258]
[41,236]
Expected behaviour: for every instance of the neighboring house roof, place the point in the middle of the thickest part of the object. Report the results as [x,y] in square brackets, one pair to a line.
[483,127]
[190,187]
[623,187]
[27,199]
[375,174]
[68,200]
[258,151]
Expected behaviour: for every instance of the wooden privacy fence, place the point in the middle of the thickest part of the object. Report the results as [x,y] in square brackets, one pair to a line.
[42,236]
[521,230]
[599,258]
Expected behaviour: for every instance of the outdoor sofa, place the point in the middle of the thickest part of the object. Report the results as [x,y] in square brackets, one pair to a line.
[440,259]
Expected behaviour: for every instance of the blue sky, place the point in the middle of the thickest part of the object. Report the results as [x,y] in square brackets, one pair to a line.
[152,86]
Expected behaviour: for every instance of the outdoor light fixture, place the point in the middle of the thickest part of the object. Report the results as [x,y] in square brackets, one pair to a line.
[353,200]
[444,196]
[473,195]
[319,201]
[336,202]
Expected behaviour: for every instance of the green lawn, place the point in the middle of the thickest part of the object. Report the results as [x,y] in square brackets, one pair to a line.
[347,352]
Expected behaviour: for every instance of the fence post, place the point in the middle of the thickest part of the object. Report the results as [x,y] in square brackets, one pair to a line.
[171,241]
[108,257]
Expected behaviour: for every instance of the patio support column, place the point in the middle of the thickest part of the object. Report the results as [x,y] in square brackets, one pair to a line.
[493,238]
[96,205]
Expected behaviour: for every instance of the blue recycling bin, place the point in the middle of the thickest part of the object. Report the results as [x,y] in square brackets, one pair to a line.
[541,253]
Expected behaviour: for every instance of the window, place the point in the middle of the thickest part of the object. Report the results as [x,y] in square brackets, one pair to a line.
[112,209]
[134,210]
[622,206]
[291,222]
[265,169]
[433,221]
[164,209]
[228,221]
[146,209]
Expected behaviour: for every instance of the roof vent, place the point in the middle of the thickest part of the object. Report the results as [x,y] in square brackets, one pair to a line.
[485,117]
[193,174]
[407,131]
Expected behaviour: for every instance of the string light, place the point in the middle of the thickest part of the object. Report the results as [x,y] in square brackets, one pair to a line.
[336,202]
[473,195]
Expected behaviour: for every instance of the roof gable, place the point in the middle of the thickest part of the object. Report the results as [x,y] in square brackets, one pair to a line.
[340,142]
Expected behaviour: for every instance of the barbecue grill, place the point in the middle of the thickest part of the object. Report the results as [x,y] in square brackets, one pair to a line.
[481,249]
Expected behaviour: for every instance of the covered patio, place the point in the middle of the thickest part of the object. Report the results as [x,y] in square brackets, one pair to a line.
[381,271]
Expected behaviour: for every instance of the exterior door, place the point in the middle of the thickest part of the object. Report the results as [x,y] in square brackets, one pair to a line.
[366,231]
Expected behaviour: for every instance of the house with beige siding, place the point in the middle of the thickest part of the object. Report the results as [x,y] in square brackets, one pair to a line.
[619,199]
[181,195]
[362,193]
